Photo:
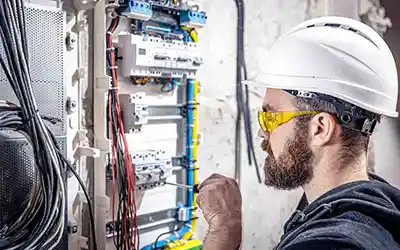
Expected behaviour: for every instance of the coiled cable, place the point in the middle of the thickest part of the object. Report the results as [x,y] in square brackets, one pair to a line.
[42,223]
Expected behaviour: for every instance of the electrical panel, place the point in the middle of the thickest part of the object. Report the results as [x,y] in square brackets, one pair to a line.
[145,122]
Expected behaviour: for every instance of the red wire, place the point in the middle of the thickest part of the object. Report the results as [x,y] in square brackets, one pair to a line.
[129,172]
[113,161]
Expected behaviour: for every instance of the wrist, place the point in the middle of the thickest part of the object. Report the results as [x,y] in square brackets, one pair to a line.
[224,236]
[226,224]
[226,221]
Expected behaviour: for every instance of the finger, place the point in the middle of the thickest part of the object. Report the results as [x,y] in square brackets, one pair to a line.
[216,176]
[208,190]
[233,182]
[211,180]
[208,198]
[200,199]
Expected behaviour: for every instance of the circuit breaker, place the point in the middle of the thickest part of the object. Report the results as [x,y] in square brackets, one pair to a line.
[135,111]
[152,168]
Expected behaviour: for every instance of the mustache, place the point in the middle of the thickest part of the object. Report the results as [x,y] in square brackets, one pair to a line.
[266,147]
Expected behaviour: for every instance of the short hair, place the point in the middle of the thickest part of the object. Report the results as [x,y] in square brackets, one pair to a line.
[353,142]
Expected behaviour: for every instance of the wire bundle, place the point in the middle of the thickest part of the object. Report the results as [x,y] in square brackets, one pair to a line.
[125,234]
[42,223]
[242,99]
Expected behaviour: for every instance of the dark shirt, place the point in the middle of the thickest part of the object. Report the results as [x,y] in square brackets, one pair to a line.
[356,215]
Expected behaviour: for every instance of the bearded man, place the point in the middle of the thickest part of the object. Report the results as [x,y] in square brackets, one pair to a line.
[329,81]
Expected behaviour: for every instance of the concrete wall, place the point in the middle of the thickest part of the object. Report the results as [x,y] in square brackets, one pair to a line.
[265,210]
[388,144]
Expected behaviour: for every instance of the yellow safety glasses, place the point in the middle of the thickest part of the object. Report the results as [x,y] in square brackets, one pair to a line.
[271,120]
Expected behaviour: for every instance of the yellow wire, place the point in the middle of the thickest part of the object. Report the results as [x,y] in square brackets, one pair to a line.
[187,236]
[192,33]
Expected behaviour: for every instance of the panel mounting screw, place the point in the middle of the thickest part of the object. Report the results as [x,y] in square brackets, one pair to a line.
[70,41]
[71,106]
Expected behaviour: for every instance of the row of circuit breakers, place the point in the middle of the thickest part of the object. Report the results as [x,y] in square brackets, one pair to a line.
[155,56]
[151,167]
[156,51]
[161,49]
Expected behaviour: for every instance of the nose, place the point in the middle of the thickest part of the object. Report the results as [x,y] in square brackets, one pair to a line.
[264,135]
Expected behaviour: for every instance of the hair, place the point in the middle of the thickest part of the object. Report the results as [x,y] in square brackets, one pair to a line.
[353,142]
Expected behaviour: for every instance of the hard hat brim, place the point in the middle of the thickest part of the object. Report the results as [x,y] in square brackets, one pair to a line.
[298,83]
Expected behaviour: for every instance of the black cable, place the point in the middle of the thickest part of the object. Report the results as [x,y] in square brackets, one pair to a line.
[42,223]
[242,99]
[11,119]
[90,207]
[247,113]
[85,191]
[159,236]
[238,100]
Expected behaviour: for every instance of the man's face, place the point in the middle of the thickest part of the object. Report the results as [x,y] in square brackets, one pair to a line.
[289,161]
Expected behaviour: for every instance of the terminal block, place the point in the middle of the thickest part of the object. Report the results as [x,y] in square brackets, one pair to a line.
[193,19]
[152,168]
[140,10]
[183,213]
[155,57]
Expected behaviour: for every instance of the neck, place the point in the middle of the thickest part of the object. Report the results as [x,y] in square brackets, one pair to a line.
[327,176]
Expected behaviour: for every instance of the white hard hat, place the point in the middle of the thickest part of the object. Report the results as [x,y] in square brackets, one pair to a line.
[336,56]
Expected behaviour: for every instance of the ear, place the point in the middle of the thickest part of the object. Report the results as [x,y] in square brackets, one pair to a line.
[323,129]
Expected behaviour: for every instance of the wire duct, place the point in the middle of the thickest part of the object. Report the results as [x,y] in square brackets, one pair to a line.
[42,223]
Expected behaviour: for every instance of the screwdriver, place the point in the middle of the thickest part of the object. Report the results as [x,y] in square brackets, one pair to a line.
[195,188]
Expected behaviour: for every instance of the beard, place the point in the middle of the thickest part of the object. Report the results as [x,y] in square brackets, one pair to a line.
[293,168]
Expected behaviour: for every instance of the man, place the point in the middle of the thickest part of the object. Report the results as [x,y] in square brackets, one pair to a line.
[329,81]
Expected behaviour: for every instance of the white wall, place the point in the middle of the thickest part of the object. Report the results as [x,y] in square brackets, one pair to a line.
[265,210]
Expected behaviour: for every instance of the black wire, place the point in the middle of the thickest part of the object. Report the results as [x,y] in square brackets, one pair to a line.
[11,119]
[85,191]
[242,99]
[30,230]
[159,236]
[42,224]
[238,102]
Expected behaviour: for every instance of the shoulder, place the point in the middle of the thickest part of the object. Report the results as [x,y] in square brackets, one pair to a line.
[320,243]
[348,231]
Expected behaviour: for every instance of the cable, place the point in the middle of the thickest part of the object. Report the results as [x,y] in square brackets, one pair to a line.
[42,223]
[122,168]
[242,100]
[11,119]
[162,234]
[86,193]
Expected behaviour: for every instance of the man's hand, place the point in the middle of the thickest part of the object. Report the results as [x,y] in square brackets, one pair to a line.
[221,202]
